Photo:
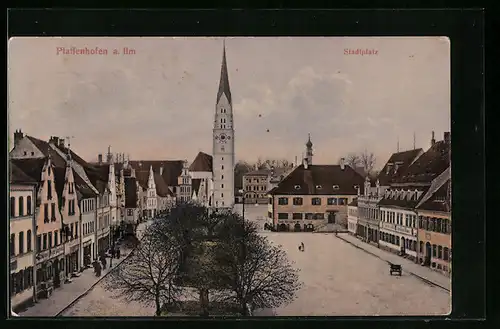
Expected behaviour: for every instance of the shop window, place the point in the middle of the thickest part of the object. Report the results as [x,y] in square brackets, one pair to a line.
[282,215]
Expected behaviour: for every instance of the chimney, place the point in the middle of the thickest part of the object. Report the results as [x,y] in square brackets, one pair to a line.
[61,142]
[433,141]
[18,135]
[99,158]
[305,163]
[342,163]
[447,137]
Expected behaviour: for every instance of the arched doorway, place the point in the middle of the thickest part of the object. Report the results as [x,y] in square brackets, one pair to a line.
[331,217]
[282,227]
[403,246]
[296,227]
[310,227]
[428,253]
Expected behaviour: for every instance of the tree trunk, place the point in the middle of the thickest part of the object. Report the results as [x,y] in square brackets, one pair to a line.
[244,310]
[158,305]
[204,302]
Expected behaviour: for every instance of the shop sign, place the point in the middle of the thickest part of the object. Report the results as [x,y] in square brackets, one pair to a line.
[51,253]
[388,226]
[404,229]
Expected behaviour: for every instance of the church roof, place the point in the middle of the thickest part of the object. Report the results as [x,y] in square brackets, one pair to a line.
[224,80]
[202,162]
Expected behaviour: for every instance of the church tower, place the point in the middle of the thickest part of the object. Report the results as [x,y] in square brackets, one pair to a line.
[309,151]
[223,143]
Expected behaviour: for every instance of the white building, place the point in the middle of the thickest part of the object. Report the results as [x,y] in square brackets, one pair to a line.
[398,221]
[223,143]
[22,226]
[352,216]
[151,196]
[202,178]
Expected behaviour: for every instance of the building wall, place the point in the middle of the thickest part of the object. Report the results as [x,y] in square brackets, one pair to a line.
[22,246]
[25,149]
[352,219]
[255,188]
[392,226]
[438,239]
[308,207]
[183,190]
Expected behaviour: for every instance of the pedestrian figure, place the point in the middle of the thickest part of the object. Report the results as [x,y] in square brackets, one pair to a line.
[112,252]
[302,245]
[103,261]
[98,269]
[118,253]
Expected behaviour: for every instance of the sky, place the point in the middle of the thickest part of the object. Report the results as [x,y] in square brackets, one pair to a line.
[158,102]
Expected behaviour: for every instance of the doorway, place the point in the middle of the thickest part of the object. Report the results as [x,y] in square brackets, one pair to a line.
[428,253]
[331,217]
[57,278]
[403,246]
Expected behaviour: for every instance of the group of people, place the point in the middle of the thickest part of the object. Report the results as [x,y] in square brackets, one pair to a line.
[101,264]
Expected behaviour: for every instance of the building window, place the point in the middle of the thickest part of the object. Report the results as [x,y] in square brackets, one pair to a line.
[316,201]
[297,215]
[445,253]
[222,177]
[12,244]
[331,201]
[319,215]
[222,195]
[421,246]
[39,243]
[21,242]
[49,189]
[28,241]
[129,212]
[434,250]
[12,206]
[28,205]
[283,201]
[44,246]
[440,252]
[309,216]
[282,215]
[21,206]
[56,241]
[53,212]
[342,201]
[438,225]
[222,167]
[50,239]
[221,185]
[46,213]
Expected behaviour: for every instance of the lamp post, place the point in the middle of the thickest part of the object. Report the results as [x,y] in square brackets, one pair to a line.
[243,195]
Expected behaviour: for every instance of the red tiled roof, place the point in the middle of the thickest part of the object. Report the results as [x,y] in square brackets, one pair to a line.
[31,167]
[320,180]
[428,166]
[202,162]
[142,178]
[161,188]
[402,160]
[18,176]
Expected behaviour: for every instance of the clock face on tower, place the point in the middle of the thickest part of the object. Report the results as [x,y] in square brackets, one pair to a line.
[222,138]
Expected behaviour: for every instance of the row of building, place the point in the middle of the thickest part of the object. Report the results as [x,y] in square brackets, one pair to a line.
[64,211]
[406,209]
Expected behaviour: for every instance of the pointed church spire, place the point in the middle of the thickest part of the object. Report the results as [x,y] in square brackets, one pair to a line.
[224,78]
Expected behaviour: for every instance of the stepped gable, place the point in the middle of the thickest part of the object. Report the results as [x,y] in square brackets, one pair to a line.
[130,192]
[203,162]
[320,180]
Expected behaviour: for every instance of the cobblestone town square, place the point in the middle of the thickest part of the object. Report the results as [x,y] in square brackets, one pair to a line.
[339,280]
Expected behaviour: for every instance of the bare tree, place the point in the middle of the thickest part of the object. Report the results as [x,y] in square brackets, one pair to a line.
[260,164]
[255,273]
[353,160]
[240,169]
[148,275]
[368,161]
